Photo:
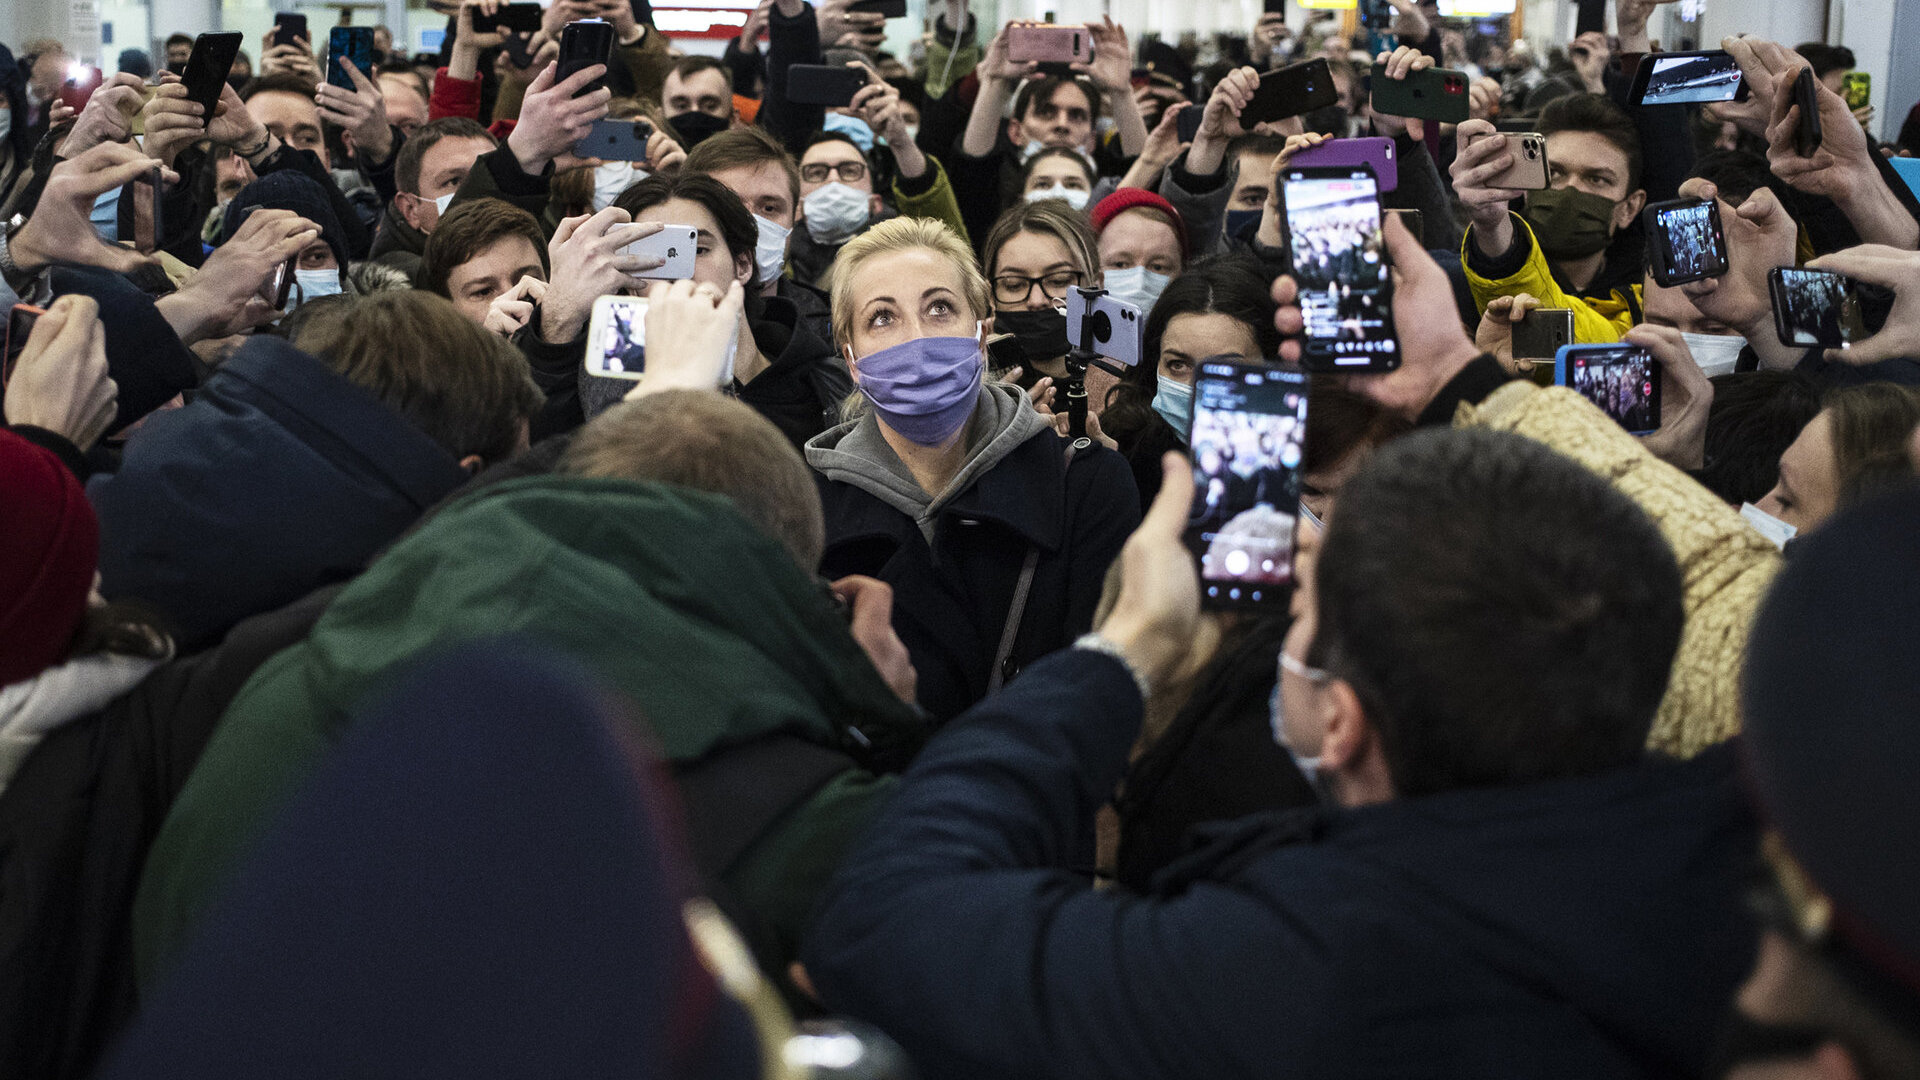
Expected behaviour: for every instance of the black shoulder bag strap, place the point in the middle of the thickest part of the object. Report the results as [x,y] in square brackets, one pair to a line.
[1003,656]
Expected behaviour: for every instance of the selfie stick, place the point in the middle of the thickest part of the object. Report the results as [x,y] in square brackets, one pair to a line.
[1078,359]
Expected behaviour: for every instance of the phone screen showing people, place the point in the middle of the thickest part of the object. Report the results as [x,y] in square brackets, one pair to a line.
[617,337]
[1815,308]
[1691,245]
[1248,438]
[1623,380]
[1692,78]
[1340,263]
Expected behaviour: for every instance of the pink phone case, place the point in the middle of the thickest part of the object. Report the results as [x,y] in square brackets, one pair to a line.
[1374,151]
[1049,44]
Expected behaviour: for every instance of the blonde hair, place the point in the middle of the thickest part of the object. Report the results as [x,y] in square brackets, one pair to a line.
[1047,217]
[903,234]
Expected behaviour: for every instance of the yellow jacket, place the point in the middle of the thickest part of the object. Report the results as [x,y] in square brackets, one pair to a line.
[1726,567]
[1596,320]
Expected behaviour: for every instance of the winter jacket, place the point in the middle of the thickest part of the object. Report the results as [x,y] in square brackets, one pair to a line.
[668,595]
[279,477]
[1601,313]
[954,561]
[398,244]
[1584,928]
[75,823]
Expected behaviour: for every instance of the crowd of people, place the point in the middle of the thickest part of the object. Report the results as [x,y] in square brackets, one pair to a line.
[390,683]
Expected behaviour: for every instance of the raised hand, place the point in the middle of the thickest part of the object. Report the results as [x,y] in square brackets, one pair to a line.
[994,64]
[1686,397]
[360,112]
[553,121]
[172,123]
[1156,615]
[108,116]
[228,294]
[1400,63]
[296,59]
[1483,155]
[1221,120]
[1112,67]
[60,382]
[511,309]
[1495,333]
[1272,218]
[1892,268]
[60,229]
[586,260]
[689,326]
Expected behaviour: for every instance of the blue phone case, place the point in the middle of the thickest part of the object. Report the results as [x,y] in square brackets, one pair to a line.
[1648,420]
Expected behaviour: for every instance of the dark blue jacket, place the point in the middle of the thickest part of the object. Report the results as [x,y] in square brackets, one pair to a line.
[951,599]
[280,477]
[1573,929]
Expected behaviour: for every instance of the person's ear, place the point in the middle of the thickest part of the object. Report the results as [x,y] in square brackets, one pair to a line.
[1628,209]
[743,268]
[409,206]
[473,464]
[853,366]
[1016,133]
[874,205]
[1351,752]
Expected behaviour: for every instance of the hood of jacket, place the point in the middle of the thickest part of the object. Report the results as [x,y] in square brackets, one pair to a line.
[396,235]
[279,477]
[857,453]
[31,708]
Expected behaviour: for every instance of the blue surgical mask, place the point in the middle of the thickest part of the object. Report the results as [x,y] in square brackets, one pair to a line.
[106,215]
[317,283]
[1135,285]
[1239,221]
[852,127]
[1174,402]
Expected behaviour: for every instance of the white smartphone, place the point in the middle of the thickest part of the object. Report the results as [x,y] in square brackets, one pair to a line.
[678,244]
[617,340]
[1117,328]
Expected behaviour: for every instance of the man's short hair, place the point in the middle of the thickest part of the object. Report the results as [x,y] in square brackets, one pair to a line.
[179,39]
[839,137]
[1041,90]
[1826,58]
[406,169]
[402,70]
[278,82]
[1737,174]
[464,387]
[689,66]
[1755,416]
[467,230]
[699,440]
[1504,615]
[750,146]
[1599,115]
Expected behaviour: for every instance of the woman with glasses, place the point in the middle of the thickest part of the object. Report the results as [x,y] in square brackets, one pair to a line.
[949,486]
[1034,255]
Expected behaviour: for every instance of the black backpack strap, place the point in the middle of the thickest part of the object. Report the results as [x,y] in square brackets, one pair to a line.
[734,796]
[1003,668]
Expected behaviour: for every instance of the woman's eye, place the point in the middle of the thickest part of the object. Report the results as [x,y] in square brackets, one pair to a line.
[880,318]
[939,307]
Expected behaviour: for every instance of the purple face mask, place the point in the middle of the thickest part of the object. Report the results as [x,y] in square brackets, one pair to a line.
[925,388]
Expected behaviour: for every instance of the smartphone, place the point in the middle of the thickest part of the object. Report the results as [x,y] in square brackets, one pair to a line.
[1434,94]
[1687,78]
[1248,442]
[1340,265]
[144,196]
[824,84]
[891,9]
[519,49]
[1684,241]
[1376,15]
[1116,326]
[1374,152]
[1291,91]
[1814,308]
[1188,124]
[1274,7]
[207,69]
[582,45]
[1857,88]
[1048,44]
[82,80]
[1529,169]
[1806,94]
[353,43]
[617,340]
[289,28]
[512,18]
[1623,380]
[677,244]
[1542,333]
[281,284]
[616,140]
[1414,220]
[20,320]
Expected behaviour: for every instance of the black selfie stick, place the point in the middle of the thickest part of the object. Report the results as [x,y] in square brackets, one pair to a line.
[1078,359]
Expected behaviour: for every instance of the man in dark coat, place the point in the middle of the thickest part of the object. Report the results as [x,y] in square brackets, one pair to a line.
[1503,886]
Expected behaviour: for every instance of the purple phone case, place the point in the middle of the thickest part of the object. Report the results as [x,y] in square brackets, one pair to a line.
[1344,153]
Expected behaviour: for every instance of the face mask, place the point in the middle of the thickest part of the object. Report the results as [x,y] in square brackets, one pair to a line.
[926,388]
[315,284]
[1136,285]
[696,126]
[1075,199]
[1041,335]
[1174,402]
[6,124]
[1717,354]
[1568,223]
[1242,221]
[1775,530]
[913,132]
[1308,764]
[106,215]
[1033,147]
[610,180]
[852,127]
[440,204]
[770,251]
[835,212]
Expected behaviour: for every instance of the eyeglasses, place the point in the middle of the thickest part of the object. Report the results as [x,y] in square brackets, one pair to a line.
[849,172]
[1015,288]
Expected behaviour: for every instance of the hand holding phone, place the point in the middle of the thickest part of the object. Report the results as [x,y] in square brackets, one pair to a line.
[1339,256]
[207,69]
[1622,379]
[1248,439]
[1684,241]
[583,44]
[677,245]
[1291,91]
[1426,94]
[616,140]
[289,28]
[1814,308]
[1529,171]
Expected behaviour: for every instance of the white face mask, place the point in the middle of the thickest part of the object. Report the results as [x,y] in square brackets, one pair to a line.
[770,253]
[1715,353]
[1135,285]
[1308,764]
[612,179]
[1033,147]
[6,124]
[1775,530]
[834,212]
[913,132]
[315,284]
[440,204]
[1075,198]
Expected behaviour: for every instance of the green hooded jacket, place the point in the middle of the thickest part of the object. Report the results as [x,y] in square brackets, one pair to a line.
[666,594]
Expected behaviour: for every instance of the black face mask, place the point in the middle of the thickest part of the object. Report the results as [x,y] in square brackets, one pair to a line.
[1746,1041]
[1041,335]
[696,126]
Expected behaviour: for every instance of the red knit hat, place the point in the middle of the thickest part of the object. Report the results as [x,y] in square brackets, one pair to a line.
[49,545]
[1127,198]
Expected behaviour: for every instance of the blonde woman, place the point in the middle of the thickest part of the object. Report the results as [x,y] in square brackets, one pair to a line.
[949,487]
